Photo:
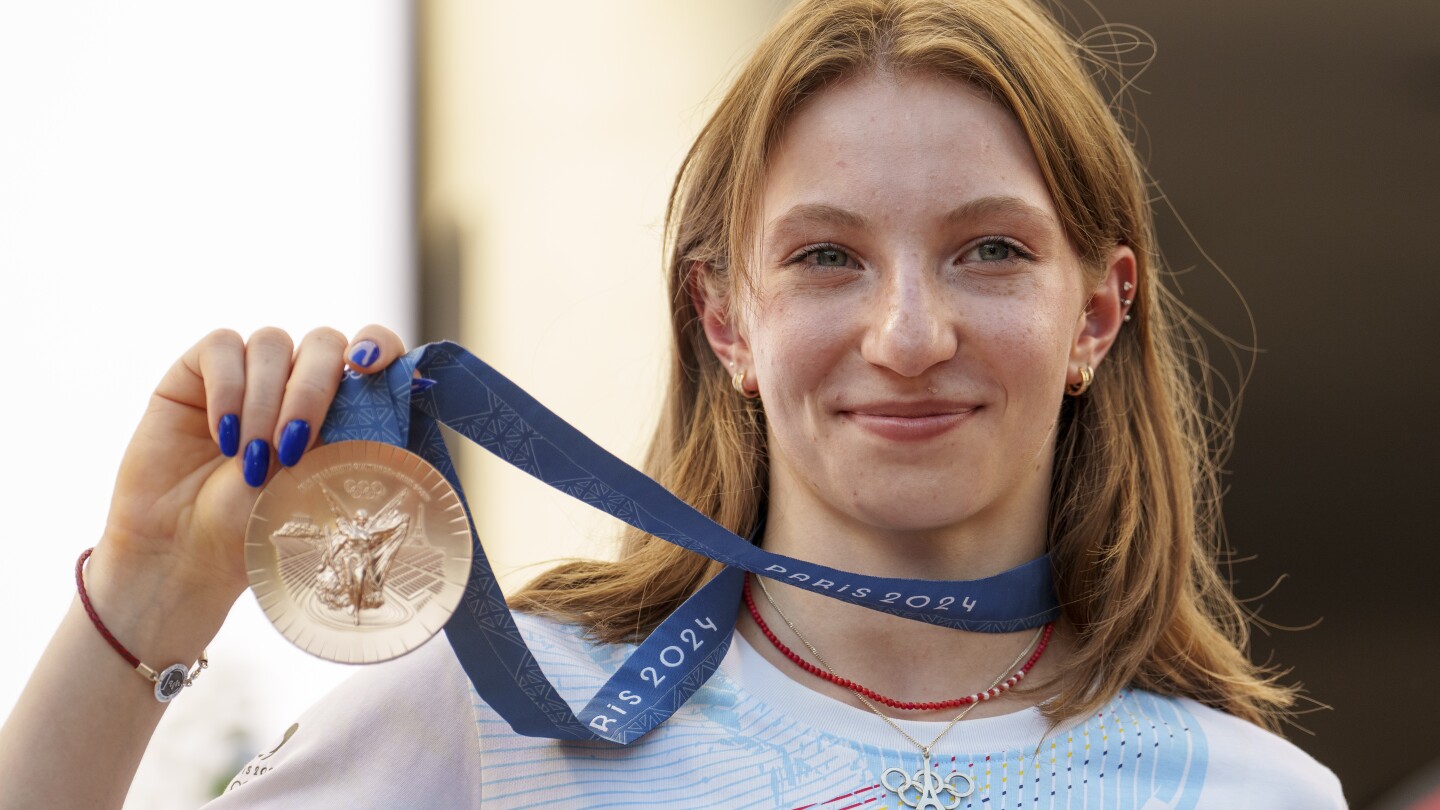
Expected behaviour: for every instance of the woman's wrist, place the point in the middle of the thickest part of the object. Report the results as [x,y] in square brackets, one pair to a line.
[159,612]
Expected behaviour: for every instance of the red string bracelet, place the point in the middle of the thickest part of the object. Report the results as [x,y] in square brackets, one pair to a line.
[988,694]
[169,681]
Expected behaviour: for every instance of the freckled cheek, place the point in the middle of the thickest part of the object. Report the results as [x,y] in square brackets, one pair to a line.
[1023,332]
[796,356]
[1028,351]
[796,347]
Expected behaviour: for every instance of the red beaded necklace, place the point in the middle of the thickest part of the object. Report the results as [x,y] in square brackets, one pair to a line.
[991,693]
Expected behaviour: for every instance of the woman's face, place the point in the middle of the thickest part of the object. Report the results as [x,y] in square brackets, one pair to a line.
[917,312]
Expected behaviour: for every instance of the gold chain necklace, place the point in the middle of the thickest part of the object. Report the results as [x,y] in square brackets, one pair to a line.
[924,788]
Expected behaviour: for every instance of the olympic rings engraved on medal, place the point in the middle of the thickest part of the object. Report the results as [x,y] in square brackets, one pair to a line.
[364,490]
[928,787]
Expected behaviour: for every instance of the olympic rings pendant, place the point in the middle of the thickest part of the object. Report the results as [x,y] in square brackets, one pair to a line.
[924,789]
[360,553]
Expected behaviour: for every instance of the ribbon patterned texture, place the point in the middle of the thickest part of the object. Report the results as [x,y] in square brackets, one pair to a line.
[677,658]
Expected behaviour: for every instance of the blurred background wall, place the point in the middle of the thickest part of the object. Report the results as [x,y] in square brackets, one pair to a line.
[168,168]
[550,137]
[497,172]
[1297,143]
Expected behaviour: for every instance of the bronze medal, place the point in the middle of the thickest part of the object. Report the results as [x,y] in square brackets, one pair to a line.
[359,553]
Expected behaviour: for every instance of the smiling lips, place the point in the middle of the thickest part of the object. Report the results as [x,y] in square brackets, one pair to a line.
[909,421]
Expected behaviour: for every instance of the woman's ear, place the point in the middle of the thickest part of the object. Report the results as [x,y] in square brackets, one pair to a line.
[714,306]
[1107,311]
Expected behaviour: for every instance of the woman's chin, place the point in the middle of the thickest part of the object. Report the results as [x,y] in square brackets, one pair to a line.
[902,513]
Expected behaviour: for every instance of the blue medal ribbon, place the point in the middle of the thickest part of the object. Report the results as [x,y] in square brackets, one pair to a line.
[678,657]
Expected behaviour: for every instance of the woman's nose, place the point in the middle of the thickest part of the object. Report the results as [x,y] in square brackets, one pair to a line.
[911,328]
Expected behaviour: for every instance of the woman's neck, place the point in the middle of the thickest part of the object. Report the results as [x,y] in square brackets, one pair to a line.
[979,546]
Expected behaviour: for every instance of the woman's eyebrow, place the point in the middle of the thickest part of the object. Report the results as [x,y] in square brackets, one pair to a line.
[993,207]
[809,215]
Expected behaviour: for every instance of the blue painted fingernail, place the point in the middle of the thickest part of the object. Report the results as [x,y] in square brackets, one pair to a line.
[257,462]
[421,384]
[292,442]
[229,432]
[364,353]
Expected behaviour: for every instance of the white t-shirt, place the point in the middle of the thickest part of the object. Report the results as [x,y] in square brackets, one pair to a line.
[413,733]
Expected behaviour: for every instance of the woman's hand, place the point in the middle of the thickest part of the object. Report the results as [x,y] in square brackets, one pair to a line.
[171,561]
[217,427]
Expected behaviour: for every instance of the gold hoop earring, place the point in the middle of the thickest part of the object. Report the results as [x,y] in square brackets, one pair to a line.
[1087,376]
[738,383]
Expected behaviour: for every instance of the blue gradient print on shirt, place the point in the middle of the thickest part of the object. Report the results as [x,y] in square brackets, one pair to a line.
[1140,751]
[727,748]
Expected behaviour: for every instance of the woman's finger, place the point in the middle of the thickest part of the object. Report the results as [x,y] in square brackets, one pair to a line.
[373,348]
[312,385]
[220,358]
[268,356]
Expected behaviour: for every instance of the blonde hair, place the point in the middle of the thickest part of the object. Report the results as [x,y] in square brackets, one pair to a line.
[1134,520]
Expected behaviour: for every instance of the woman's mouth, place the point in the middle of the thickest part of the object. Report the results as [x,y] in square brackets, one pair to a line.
[909,421]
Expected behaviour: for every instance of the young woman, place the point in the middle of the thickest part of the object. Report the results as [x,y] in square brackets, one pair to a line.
[919,333]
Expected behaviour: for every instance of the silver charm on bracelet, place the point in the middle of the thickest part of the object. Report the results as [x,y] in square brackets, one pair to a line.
[169,681]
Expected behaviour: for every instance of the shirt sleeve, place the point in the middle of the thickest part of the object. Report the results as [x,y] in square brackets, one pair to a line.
[1253,768]
[398,734]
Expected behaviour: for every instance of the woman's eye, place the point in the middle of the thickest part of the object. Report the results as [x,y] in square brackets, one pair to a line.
[825,256]
[830,257]
[996,251]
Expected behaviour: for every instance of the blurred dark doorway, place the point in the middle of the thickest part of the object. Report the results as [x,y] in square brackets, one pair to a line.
[1297,143]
